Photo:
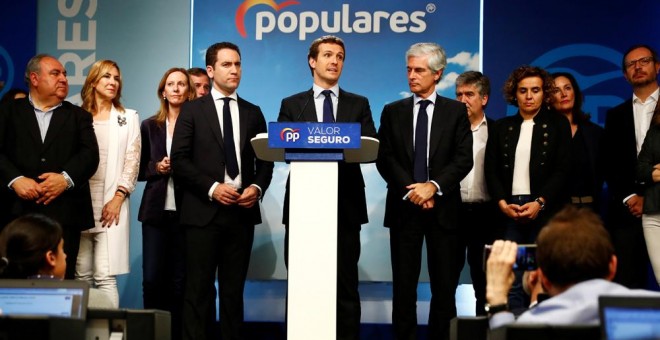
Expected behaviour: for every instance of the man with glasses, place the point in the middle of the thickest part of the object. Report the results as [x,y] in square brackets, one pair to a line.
[625,129]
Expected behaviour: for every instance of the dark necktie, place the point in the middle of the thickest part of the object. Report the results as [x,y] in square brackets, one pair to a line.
[228,138]
[420,171]
[328,117]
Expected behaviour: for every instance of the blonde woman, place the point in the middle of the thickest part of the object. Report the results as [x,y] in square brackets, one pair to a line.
[104,247]
[162,237]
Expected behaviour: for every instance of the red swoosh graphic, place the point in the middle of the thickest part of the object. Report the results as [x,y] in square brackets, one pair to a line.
[245,6]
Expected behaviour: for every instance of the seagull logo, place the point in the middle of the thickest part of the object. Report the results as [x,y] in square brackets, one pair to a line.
[245,6]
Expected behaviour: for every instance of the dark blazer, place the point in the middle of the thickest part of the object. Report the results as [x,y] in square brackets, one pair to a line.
[649,156]
[620,160]
[450,158]
[70,145]
[593,140]
[198,160]
[352,205]
[549,163]
[154,139]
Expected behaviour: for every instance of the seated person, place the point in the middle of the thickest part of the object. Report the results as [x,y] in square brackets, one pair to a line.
[576,265]
[31,247]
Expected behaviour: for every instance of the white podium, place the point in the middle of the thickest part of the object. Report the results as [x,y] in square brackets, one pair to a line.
[312,263]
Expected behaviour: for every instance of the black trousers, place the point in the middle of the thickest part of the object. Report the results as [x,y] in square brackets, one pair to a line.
[348,296]
[442,252]
[71,236]
[478,226]
[225,248]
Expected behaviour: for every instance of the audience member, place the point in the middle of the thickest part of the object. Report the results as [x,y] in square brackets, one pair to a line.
[528,161]
[648,174]
[104,246]
[478,213]
[48,152]
[221,182]
[12,94]
[32,247]
[425,151]
[201,81]
[163,238]
[576,264]
[625,129]
[585,181]
[326,61]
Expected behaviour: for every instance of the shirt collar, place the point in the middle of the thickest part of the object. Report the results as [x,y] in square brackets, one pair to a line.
[317,90]
[432,98]
[653,96]
[39,109]
[217,95]
[484,122]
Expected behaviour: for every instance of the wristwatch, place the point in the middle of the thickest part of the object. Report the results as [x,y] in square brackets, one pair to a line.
[538,200]
[492,309]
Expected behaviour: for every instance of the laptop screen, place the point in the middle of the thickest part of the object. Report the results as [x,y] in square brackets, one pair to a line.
[60,298]
[630,317]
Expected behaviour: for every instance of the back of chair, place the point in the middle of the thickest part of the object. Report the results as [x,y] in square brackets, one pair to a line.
[468,328]
[546,332]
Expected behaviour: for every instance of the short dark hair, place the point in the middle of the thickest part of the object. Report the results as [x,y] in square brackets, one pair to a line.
[34,65]
[654,54]
[574,247]
[476,78]
[212,51]
[326,39]
[578,115]
[24,243]
[522,72]
[197,71]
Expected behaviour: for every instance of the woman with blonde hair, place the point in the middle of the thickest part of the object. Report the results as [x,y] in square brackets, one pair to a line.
[162,237]
[104,247]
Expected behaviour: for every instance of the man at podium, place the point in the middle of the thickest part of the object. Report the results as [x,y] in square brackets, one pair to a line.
[327,102]
[425,151]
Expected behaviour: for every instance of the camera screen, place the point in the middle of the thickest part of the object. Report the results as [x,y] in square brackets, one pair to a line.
[525,259]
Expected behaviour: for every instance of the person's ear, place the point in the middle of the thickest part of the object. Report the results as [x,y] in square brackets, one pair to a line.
[612,269]
[545,283]
[51,258]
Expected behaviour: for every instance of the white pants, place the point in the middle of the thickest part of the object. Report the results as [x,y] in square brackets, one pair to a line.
[651,225]
[92,265]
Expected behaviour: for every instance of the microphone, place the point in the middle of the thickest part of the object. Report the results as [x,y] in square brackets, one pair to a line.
[303,109]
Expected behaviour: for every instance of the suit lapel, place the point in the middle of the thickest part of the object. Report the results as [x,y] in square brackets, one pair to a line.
[309,107]
[57,121]
[211,115]
[405,122]
[243,115]
[436,126]
[343,108]
[30,121]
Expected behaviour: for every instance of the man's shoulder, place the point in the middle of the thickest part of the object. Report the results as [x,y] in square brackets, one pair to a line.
[351,95]
[298,96]
[247,105]
[622,108]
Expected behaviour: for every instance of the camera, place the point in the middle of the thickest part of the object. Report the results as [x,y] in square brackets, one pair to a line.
[525,259]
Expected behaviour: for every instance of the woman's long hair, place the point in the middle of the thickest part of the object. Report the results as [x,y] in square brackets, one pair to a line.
[96,72]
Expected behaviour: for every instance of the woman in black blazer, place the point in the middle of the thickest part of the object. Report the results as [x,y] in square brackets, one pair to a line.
[585,181]
[648,174]
[162,237]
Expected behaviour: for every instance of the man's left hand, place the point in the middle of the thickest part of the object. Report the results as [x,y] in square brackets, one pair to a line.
[529,211]
[421,192]
[249,197]
[52,185]
[499,271]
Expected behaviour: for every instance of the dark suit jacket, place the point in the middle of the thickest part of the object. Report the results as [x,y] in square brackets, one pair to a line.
[649,156]
[198,160]
[70,145]
[593,140]
[154,139]
[620,160]
[450,158]
[549,164]
[352,205]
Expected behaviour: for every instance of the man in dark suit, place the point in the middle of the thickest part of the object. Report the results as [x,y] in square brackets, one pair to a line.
[625,129]
[478,211]
[326,60]
[425,151]
[48,152]
[222,181]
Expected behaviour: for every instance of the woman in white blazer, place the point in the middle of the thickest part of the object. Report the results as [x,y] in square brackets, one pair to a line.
[104,246]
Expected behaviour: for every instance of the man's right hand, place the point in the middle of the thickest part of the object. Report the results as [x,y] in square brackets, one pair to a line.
[499,271]
[511,211]
[226,194]
[635,204]
[26,188]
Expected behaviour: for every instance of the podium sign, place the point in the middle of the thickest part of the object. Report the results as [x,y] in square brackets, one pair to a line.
[314,141]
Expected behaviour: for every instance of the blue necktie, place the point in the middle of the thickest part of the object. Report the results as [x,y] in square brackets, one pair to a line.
[228,138]
[420,170]
[328,117]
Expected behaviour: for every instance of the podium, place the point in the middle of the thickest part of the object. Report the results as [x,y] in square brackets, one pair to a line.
[313,150]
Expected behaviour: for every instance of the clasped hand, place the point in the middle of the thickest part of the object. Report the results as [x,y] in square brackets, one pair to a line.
[422,194]
[228,195]
[51,186]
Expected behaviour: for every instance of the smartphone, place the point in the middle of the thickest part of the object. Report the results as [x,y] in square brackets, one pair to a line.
[525,259]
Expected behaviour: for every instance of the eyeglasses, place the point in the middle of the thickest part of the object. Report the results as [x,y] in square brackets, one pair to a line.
[642,62]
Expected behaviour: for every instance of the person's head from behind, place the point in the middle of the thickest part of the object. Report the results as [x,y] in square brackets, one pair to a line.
[574,247]
[201,81]
[326,60]
[103,83]
[425,63]
[32,245]
[473,89]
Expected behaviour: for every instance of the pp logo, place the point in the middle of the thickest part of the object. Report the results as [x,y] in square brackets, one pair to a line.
[6,71]
[290,135]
